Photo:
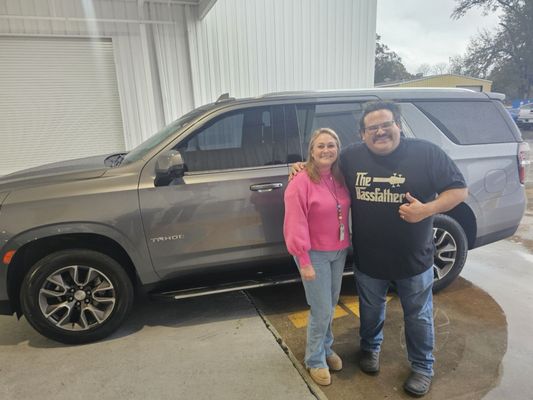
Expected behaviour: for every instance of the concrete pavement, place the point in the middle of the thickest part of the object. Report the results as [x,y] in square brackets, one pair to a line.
[215,347]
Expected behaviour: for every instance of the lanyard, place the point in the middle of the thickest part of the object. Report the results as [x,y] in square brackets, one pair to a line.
[339,210]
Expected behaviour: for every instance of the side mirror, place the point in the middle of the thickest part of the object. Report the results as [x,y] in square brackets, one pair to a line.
[169,166]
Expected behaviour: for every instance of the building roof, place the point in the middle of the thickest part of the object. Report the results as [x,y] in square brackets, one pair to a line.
[428,77]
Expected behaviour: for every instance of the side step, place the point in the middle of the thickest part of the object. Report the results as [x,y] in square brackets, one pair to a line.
[228,287]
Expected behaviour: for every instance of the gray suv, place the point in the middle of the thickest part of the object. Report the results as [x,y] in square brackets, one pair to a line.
[198,208]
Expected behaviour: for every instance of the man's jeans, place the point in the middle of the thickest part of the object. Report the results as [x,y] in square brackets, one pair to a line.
[417,303]
[322,295]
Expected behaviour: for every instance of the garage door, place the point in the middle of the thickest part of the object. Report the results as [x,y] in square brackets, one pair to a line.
[58,100]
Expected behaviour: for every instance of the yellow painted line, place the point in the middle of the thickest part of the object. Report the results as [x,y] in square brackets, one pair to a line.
[352,303]
[339,312]
[299,319]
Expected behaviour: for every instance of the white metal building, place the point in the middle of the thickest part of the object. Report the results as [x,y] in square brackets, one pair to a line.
[86,77]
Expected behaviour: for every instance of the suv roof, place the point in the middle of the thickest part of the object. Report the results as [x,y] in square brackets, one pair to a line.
[391,93]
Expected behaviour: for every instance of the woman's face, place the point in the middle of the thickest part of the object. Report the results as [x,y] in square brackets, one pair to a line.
[324,151]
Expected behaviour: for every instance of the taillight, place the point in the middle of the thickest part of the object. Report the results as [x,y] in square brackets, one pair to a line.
[523,160]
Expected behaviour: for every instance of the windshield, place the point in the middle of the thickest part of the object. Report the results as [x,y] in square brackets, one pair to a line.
[145,147]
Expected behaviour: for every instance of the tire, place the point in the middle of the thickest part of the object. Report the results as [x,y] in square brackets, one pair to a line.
[76,296]
[451,247]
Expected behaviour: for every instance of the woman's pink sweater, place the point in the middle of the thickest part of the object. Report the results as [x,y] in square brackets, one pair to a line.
[311,219]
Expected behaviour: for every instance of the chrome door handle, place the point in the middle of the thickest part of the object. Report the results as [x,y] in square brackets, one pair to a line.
[266,187]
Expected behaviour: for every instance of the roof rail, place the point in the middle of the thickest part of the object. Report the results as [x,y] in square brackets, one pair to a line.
[496,96]
[224,97]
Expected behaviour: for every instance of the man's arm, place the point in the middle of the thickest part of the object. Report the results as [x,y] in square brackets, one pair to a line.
[416,211]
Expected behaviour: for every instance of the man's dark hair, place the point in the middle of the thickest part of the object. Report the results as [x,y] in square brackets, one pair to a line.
[376,106]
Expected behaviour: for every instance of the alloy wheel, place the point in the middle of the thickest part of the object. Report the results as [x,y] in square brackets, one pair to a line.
[77,298]
[445,253]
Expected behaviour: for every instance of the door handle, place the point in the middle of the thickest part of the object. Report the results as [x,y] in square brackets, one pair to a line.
[266,187]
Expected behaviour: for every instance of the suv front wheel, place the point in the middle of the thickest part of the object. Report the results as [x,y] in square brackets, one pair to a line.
[76,296]
[451,247]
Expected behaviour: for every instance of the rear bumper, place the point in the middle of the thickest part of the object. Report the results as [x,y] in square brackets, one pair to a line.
[494,236]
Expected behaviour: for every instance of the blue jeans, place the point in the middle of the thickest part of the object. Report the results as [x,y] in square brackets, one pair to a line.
[417,303]
[322,295]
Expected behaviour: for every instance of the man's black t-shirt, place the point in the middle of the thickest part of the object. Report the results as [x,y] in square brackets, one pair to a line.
[385,246]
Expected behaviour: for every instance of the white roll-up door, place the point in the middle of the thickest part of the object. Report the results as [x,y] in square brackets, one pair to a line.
[58,100]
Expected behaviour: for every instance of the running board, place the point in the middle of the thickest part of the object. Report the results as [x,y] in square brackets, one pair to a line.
[229,287]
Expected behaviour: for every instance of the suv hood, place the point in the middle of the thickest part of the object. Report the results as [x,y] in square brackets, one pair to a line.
[70,170]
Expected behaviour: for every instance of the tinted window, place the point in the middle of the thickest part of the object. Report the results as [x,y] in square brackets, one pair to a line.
[140,151]
[246,138]
[472,122]
[343,118]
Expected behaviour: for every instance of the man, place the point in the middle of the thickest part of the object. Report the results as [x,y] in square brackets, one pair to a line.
[396,186]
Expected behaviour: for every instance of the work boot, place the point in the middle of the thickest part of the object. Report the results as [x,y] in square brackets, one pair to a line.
[334,362]
[320,376]
[369,361]
[417,384]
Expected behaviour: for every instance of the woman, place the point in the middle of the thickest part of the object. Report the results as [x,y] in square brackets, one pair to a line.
[316,234]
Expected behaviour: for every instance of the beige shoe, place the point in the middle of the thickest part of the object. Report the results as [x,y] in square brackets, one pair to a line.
[334,362]
[320,376]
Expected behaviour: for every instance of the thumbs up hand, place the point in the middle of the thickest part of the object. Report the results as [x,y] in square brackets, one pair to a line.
[414,211]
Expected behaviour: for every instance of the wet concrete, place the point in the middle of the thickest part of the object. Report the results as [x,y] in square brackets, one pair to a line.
[471,340]
[505,270]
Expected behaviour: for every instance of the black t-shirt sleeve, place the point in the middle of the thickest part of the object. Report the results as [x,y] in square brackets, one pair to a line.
[443,172]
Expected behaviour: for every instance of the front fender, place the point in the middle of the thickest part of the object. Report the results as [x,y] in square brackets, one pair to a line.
[137,251]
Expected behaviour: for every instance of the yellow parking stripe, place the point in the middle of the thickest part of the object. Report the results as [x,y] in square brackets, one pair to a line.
[299,319]
[352,303]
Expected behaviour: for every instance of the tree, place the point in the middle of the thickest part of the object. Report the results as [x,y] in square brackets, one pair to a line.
[440,68]
[424,69]
[505,55]
[457,65]
[388,65]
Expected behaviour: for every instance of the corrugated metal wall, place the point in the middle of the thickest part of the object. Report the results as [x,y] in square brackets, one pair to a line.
[173,60]
[251,47]
[244,47]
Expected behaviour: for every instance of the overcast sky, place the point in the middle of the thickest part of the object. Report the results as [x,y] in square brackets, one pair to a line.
[421,31]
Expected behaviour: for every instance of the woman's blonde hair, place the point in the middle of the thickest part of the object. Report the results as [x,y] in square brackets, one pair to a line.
[311,167]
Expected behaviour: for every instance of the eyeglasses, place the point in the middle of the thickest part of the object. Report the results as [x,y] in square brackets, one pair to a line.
[373,129]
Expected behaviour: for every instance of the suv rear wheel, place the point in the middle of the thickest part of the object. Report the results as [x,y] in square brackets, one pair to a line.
[451,247]
[76,296]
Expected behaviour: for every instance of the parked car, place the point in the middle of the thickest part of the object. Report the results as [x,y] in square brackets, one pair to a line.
[525,115]
[513,112]
[198,207]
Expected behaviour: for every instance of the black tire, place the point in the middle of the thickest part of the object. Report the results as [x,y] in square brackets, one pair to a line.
[76,296]
[451,248]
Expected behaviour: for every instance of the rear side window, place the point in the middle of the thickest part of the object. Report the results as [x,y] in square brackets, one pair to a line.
[343,118]
[472,122]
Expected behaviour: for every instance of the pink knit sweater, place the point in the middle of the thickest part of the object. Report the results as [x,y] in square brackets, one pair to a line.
[311,220]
